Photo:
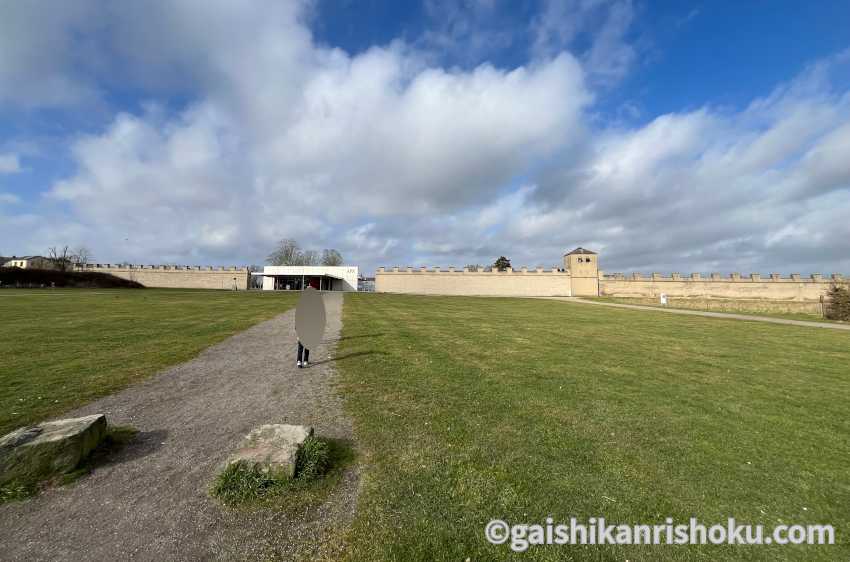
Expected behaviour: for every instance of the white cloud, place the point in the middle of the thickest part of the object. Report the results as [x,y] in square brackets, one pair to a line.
[397,161]
[39,55]
[313,143]
[767,187]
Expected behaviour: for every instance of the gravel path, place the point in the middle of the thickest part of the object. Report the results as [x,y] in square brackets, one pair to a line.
[151,501]
[726,315]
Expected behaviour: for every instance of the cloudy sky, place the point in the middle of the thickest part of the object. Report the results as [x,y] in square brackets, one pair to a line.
[669,137]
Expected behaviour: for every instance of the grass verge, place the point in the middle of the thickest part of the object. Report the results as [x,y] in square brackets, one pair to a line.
[60,349]
[729,306]
[473,409]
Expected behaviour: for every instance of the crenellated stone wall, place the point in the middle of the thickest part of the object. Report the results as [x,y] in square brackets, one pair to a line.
[734,286]
[523,282]
[559,282]
[177,276]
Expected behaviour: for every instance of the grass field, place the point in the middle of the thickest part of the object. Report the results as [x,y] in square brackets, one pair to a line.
[472,409]
[748,307]
[62,348]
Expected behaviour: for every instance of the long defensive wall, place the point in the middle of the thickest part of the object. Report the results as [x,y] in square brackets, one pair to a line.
[509,283]
[177,276]
[775,287]
[581,277]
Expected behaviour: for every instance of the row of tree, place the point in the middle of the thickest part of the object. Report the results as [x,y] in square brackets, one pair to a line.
[288,252]
[63,257]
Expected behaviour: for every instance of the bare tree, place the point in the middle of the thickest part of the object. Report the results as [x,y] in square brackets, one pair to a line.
[286,253]
[331,257]
[61,257]
[308,257]
[255,281]
[289,253]
[82,256]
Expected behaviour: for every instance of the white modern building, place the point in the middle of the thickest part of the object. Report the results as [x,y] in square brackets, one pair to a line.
[295,278]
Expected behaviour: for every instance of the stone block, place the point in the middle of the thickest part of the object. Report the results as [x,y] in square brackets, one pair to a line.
[50,448]
[272,448]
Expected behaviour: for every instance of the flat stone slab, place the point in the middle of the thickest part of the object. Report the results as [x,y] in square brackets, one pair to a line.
[272,448]
[49,448]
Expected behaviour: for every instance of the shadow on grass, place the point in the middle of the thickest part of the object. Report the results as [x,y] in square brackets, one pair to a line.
[348,356]
[346,338]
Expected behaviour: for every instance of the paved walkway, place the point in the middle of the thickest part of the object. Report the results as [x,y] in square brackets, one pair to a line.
[151,501]
[725,315]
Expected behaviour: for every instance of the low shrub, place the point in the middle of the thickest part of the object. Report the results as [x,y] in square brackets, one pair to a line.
[837,303]
[313,459]
[318,466]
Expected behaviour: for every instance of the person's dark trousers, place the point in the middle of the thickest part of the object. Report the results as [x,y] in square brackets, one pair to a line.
[303,353]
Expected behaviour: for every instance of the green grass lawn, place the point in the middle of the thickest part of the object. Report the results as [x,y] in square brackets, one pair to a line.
[730,307]
[62,348]
[470,409]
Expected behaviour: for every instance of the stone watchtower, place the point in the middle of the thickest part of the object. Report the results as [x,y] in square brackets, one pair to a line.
[583,266]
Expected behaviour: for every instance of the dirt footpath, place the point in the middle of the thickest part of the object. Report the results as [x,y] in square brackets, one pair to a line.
[151,502]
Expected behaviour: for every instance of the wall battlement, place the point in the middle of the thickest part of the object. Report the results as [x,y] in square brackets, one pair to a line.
[98,266]
[731,278]
[580,276]
[450,270]
[176,276]
[734,286]
[527,282]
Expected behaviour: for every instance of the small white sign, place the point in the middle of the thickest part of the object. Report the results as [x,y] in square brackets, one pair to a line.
[663,299]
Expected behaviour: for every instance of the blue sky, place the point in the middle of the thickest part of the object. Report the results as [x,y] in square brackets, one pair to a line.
[669,136]
[718,53]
